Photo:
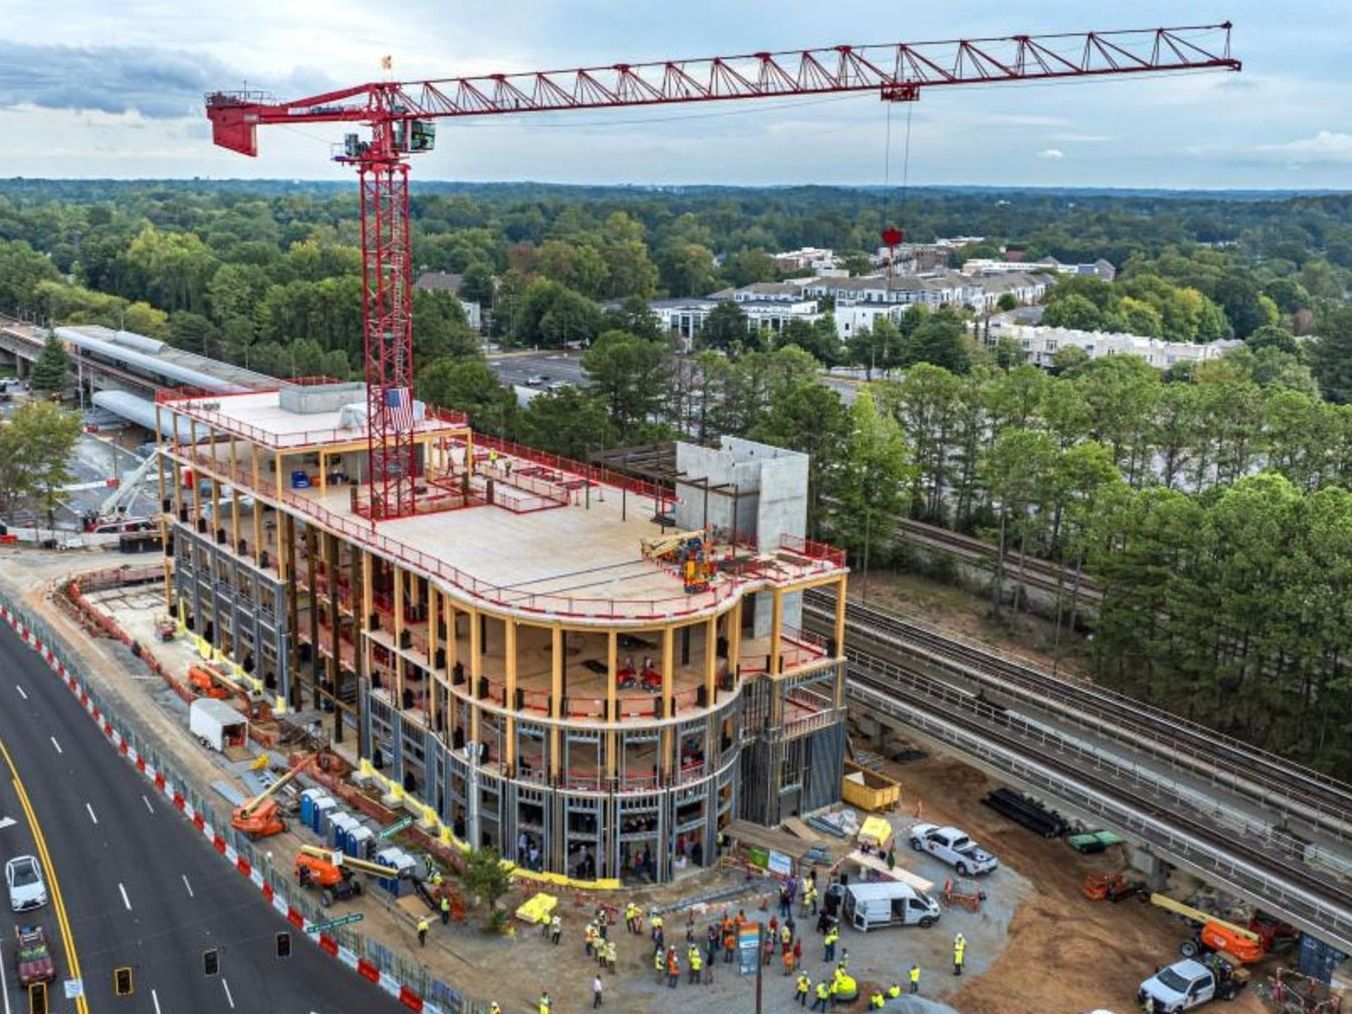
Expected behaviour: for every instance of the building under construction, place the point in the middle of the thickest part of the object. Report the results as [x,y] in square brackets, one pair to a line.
[593,669]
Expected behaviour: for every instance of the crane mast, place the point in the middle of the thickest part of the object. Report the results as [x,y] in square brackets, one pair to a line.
[399,116]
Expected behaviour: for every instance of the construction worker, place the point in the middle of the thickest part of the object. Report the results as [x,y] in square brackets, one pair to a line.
[823,996]
[632,918]
[915,978]
[555,929]
[893,991]
[423,927]
[596,991]
[493,1008]
[696,966]
[691,954]
[655,920]
[788,961]
[832,935]
[801,988]
[812,895]
[729,946]
[959,953]
[545,1004]
[709,972]
[785,937]
[589,937]
[875,1000]
[673,968]
[659,964]
[844,963]
[445,910]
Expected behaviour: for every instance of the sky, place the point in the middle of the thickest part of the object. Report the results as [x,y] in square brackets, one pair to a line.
[115,90]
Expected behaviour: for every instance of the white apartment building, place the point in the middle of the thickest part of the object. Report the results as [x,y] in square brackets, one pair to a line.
[989,266]
[686,317]
[761,292]
[807,258]
[1042,344]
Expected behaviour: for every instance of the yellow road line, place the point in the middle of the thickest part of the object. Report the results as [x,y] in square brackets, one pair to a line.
[58,902]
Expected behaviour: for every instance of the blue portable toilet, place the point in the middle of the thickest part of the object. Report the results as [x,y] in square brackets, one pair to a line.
[389,856]
[307,806]
[340,824]
[359,841]
[324,806]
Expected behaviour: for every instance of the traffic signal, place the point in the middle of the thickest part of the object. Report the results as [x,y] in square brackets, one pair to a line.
[283,945]
[211,961]
[122,981]
[37,998]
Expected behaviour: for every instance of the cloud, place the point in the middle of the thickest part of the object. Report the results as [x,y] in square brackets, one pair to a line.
[155,82]
[1051,154]
[1325,146]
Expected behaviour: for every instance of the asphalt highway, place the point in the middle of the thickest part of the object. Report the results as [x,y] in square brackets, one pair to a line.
[140,887]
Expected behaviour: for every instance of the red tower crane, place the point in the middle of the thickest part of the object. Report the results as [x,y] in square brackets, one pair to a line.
[399,116]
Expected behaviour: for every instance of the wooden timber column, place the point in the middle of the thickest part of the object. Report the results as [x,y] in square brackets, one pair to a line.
[711,661]
[258,515]
[612,701]
[735,639]
[311,561]
[398,654]
[452,656]
[509,668]
[476,668]
[286,564]
[192,453]
[840,640]
[277,464]
[433,641]
[234,499]
[363,645]
[555,697]
[164,524]
[335,665]
[667,737]
[776,629]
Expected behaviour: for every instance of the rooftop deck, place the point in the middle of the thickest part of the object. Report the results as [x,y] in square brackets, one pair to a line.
[553,542]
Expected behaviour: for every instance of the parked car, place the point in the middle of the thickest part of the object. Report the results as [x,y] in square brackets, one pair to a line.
[27,889]
[555,386]
[537,380]
[952,846]
[33,957]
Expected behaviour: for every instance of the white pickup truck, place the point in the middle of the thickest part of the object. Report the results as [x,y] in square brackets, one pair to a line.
[952,846]
[1190,983]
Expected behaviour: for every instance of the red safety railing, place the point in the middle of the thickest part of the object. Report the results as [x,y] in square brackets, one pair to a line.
[365,533]
[578,469]
[813,550]
[192,405]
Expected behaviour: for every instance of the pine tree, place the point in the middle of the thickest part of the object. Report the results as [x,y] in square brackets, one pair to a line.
[49,372]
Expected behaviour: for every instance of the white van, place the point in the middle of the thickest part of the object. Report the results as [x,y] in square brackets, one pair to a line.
[888,903]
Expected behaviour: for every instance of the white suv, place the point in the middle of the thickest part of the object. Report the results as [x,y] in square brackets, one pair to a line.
[27,890]
[953,847]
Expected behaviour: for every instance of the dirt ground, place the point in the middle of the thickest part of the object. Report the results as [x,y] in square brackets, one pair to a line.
[1064,954]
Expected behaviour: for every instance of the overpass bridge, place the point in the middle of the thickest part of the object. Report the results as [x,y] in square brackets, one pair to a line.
[1265,829]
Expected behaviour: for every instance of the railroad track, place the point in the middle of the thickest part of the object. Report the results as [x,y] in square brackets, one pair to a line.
[1036,572]
[1288,788]
[1184,834]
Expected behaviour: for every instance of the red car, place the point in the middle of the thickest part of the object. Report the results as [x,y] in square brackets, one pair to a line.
[34,956]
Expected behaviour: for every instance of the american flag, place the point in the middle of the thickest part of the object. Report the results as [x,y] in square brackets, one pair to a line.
[399,404]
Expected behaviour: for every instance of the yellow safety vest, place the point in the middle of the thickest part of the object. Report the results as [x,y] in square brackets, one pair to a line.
[803,983]
[823,991]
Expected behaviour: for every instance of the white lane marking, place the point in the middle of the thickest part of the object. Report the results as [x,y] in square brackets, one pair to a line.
[156,1001]
[56,744]
[91,813]
[25,697]
[147,802]
[7,822]
[188,886]
[4,987]
[228,997]
[125,900]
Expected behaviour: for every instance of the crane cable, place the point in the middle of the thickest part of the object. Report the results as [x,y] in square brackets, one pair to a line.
[887,169]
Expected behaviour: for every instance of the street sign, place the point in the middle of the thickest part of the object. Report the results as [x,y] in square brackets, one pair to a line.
[321,927]
[395,828]
[74,988]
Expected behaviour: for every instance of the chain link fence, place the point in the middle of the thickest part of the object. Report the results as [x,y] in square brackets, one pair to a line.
[437,996]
